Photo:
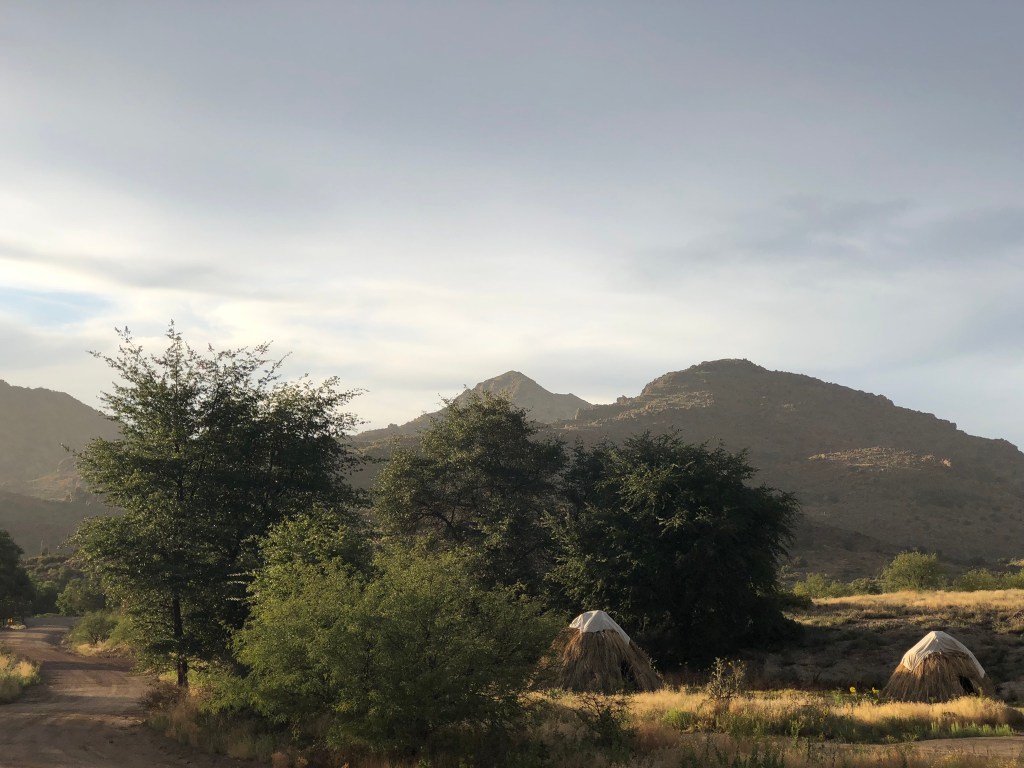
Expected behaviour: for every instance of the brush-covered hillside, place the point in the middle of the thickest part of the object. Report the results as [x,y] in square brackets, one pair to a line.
[873,478]
[42,499]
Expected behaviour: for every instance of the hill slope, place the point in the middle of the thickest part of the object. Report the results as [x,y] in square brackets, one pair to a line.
[872,477]
[543,406]
[42,499]
[35,424]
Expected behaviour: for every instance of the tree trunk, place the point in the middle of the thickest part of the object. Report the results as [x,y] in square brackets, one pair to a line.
[181,662]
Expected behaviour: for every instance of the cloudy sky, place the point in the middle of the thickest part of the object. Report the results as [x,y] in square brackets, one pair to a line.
[419,195]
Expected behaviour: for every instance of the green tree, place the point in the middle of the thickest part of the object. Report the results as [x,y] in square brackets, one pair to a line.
[79,597]
[913,571]
[417,651]
[480,479]
[672,541]
[15,586]
[214,450]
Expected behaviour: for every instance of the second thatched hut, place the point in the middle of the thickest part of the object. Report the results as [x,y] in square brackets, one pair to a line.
[938,668]
[595,654]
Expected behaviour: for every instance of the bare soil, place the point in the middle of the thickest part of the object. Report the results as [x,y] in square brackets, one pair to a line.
[86,714]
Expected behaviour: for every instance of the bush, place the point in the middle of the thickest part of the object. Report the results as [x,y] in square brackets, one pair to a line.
[820,585]
[393,663]
[93,628]
[981,579]
[913,571]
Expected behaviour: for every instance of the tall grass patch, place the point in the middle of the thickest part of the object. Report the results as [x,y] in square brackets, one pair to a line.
[850,718]
[15,676]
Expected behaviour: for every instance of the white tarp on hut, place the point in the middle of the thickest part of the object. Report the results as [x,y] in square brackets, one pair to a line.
[937,642]
[599,621]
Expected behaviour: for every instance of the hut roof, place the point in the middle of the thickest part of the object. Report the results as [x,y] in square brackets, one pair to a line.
[597,621]
[941,643]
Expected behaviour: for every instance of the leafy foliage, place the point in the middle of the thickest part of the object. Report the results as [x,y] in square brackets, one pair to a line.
[50,575]
[480,480]
[670,539]
[94,627]
[214,451]
[914,571]
[81,596]
[16,590]
[394,662]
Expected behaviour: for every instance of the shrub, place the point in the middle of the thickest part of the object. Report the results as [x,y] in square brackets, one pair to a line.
[93,628]
[392,663]
[820,585]
[913,571]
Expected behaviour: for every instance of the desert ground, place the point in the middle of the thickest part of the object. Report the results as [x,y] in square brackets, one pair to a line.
[86,714]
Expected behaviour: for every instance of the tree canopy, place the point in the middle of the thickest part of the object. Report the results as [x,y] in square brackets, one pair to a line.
[15,585]
[480,479]
[214,450]
[670,539]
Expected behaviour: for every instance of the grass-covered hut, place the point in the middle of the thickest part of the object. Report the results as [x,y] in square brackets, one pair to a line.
[595,654]
[938,668]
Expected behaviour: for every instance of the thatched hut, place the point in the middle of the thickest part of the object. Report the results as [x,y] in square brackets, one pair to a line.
[938,668]
[595,654]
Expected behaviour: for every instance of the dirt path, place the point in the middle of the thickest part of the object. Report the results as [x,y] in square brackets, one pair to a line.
[86,714]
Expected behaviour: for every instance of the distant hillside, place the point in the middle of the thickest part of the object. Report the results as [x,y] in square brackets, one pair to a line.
[543,406]
[42,498]
[37,524]
[873,478]
[34,425]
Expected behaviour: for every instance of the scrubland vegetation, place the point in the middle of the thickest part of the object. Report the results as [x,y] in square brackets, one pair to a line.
[304,622]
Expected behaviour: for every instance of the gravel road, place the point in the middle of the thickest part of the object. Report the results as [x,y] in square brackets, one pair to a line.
[86,714]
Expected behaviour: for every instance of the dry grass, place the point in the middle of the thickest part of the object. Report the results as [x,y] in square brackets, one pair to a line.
[15,675]
[859,640]
[683,727]
[181,717]
[776,709]
[906,603]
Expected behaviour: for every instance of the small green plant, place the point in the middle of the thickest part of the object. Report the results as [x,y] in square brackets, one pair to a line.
[727,679]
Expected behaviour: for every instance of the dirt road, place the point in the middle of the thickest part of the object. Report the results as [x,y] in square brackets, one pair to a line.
[85,715]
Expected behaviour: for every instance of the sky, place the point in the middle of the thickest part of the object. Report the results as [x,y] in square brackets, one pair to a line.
[416,196]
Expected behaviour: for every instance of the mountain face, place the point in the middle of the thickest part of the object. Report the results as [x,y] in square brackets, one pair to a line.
[873,478]
[42,499]
[543,406]
[35,425]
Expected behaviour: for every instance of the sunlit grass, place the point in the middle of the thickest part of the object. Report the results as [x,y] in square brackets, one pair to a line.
[837,716]
[15,675]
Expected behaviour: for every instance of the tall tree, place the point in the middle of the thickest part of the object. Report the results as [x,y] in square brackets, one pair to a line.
[16,590]
[670,539]
[480,479]
[214,450]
